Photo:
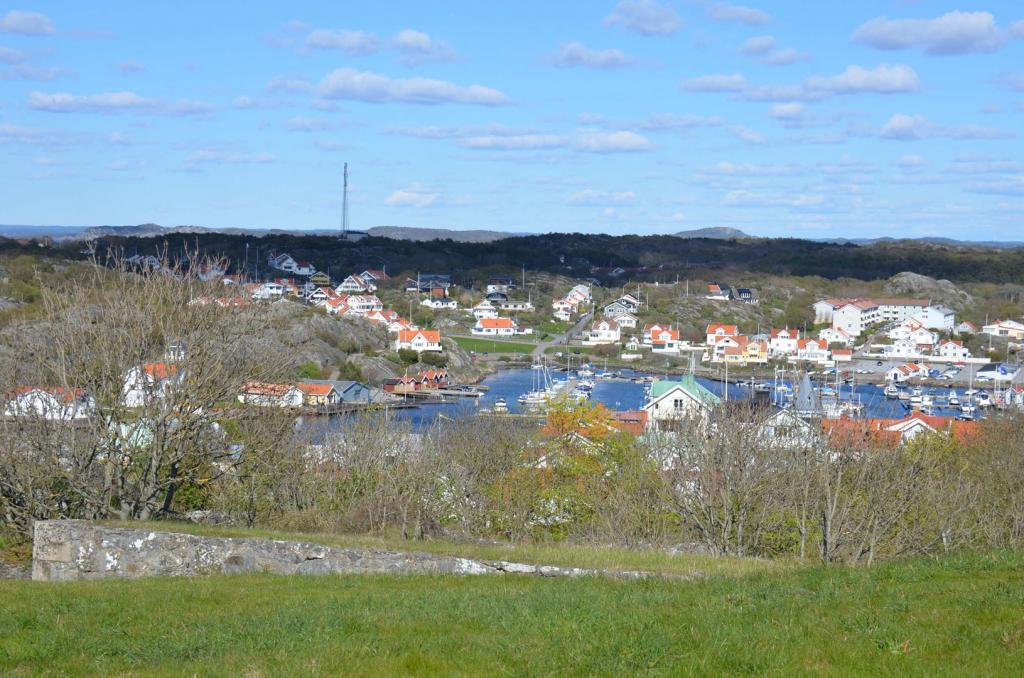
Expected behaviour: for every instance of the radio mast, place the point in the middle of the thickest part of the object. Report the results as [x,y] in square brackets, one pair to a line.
[344,204]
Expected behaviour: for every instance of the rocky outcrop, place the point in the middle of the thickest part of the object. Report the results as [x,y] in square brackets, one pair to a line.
[909,284]
[66,550]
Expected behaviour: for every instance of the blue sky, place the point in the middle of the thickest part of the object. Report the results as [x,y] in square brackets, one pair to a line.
[830,119]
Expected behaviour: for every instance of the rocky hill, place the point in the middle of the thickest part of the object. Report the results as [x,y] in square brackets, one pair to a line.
[909,284]
[406,233]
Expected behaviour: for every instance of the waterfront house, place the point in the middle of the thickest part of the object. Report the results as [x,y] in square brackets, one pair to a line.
[270,395]
[674,401]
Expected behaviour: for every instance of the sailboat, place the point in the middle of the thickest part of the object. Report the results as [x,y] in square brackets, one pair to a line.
[806,402]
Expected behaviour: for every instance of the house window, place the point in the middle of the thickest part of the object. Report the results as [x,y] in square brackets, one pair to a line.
[678,404]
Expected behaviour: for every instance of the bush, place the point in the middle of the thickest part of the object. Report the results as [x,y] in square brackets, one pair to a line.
[310,370]
[434,359]
[407,356]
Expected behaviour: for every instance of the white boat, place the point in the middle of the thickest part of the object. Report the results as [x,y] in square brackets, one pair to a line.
[983,399]
[953,399]
[892,391]
[500,406]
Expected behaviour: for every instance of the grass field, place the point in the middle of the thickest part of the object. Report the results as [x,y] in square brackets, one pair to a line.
[957,616]
[481,345]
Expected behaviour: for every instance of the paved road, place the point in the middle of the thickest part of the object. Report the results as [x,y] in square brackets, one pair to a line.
[561,338]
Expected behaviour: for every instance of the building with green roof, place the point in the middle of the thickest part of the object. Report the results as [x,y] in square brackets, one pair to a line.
[674,400]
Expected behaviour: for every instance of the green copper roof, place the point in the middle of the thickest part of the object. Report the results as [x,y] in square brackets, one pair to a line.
[689,384]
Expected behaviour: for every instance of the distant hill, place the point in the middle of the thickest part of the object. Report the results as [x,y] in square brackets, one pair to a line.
[717,232]
[952,242]
[407,233]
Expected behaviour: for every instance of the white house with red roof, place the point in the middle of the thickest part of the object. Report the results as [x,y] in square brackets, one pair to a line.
[419,340]
[812,350]
[834,335]
[53,403]
[150,382]
[715,331]
[494,327]
[664,340]
[263,394]
[783,341]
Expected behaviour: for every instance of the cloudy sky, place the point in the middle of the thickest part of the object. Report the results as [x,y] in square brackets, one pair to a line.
[861,119]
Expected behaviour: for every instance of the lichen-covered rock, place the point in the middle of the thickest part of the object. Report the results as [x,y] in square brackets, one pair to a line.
[65,550]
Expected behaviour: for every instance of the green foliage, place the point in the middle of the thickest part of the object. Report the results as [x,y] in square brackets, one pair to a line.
[408,356]
[310,370]
[434,359]
[349,371]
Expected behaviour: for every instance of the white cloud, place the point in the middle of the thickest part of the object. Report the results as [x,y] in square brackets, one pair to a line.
[787,111]
[348,83]
[11,56]
[765,49]
[611,142]
[595,197]
[744,133]
[514,142]
[911,162]
[659,122]
[352,43]
[1017,29]
[284,83]
[304,124]
[747,169]
[29,72]
[724,11]
[26,23]
[419,48]
[647,17]
[113,102]
[577,54]
[1009,185]
[759,44]
[413,196]
[751,199]
[883,79]
[953,33]
[586,142]
[219,157]
[131,68]
[717,83]
[911,127]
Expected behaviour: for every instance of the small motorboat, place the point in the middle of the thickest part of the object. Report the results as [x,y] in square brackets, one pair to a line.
[892,391]
[500,406]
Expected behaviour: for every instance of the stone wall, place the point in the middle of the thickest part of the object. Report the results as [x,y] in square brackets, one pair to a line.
[65,550]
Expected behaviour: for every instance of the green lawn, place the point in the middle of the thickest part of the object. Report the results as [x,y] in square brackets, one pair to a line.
[956,616]
[482,345]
